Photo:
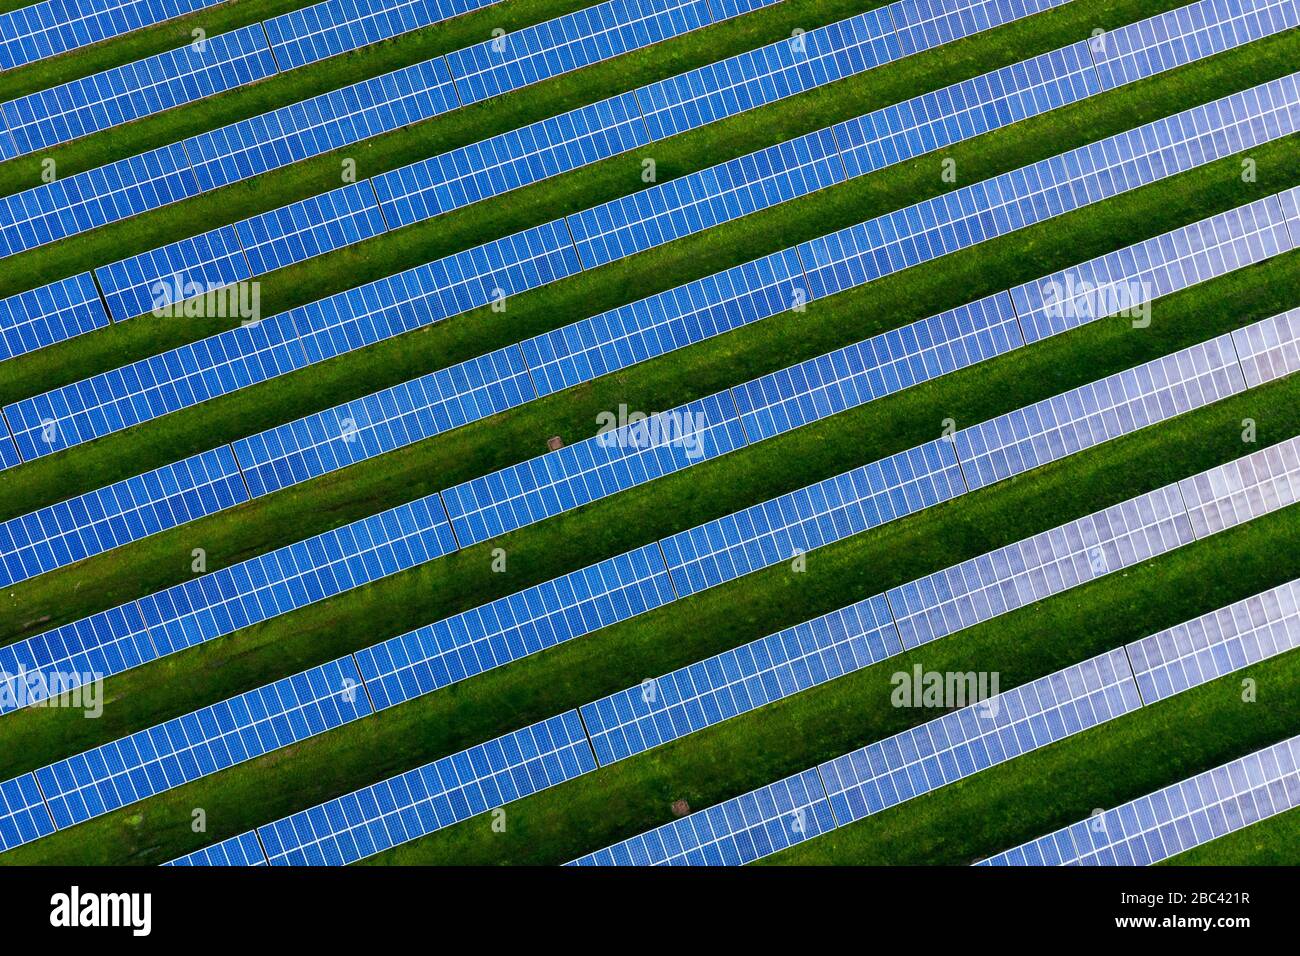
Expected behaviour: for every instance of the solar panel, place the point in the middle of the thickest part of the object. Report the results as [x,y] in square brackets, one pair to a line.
[47,29]
[311,227]
[431,797]
[124,93]
[925,24]
[1118,281]
[662,709]
[784,527]
[1098,412]
[117,514]
[615,460]
[511,160]
[95,198]
[52,313]
[964,742]
[242,850]
[9,456]
[702,200]
[23,814]
[44,665]
[733,833]
[578,39]
[327,29]
[1049,188]
[384,421]
[204,742]
[1038,567]
[1198,651]
[1189,33]
[1290,199]
[1226,496]
[878,366]
[1269,349]
[516,626]
[321,124]
[168,275]
[1168,822]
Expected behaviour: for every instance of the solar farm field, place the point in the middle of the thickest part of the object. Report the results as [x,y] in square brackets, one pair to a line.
[639,432]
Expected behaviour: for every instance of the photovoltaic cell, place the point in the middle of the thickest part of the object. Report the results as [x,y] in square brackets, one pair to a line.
[1118,281]
[384,421]
[876,367]
[204,742]
[1226,496]
[1179,817]
[1188,33]
[170,274]
[1269,349]
[1098,412]
[615,460]
[117,514]
[1038,567]
[242,850]
[47,29]
[32,320]
[429,798]
[958,744]
[569,42]
[733,833]
[706,693]
[781,528]
[95,198]
[516,626]
[129,92]
[23,814]
[1198,651]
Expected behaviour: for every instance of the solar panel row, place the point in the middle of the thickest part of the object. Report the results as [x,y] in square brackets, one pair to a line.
[1179,817]
[94,407]
[52,27]
[199,69]
[119,513]
[242,850]
[1270,349]
[60,310]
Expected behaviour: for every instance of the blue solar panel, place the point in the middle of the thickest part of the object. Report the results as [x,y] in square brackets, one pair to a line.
[700,695]
[1177,818]
[94,198]
[242,850]
[1269,349]
[1226,496]
[1142,49]
[878,366]
[9,456]
[733,833]
[42,666]
[56,26]
[511,160]
[570,42]
[613,461]
[1099,411]
[204,742]
[1198,651]
[1049,188]
[662,323]
[925,24]
[311,227]
[384,421]
[705,199]
[52,313]
[1120,280]
[1290,200]
[979,736]
[138,89]
[321,124]
[513,627]
[23,814]
[164,277]
[112,516]
[795,523]
[431,797]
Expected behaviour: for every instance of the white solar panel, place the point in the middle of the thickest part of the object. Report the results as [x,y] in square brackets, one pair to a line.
[1243,489]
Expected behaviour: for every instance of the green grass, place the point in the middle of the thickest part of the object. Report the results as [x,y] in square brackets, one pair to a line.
[468,227]
[1256,556]
[1271,842]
